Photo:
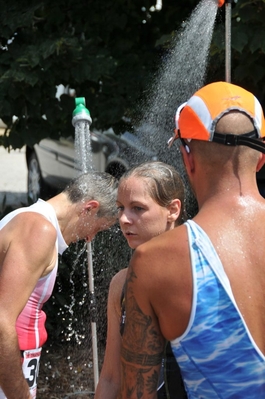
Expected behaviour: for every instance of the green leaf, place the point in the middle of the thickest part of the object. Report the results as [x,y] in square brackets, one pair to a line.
[239,38]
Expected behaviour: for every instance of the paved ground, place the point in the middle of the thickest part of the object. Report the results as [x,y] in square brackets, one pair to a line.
[13,177]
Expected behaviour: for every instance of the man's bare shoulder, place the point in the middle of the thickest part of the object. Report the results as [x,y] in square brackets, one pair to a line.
[30,218]
[29,232]
[165,247]
[160,272]
[35,225]
[27,222]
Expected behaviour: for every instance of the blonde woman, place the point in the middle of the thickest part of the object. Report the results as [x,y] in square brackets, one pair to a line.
[150,201]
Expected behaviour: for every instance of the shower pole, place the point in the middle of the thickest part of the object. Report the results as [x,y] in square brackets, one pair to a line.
[81,122]
[93,314]
[228,13]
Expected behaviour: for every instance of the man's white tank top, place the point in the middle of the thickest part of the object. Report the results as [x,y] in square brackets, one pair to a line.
[30,324]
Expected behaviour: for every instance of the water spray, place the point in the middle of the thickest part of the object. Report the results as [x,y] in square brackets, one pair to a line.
[81,122]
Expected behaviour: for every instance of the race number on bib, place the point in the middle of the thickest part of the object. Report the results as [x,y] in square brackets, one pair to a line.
[30,366]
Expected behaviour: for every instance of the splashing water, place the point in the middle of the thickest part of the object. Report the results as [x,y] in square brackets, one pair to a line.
[71,331]
[181,74]
[83,153]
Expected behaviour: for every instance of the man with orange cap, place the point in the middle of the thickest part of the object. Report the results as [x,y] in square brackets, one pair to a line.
[209,300]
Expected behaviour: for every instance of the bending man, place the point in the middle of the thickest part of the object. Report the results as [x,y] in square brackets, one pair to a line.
[30,240]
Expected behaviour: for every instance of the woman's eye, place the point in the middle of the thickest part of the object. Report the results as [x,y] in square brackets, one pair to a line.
[138,208]
[120,208]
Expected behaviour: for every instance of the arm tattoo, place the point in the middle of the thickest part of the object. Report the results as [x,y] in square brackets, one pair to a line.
[131,276]
[141,359]
[142,348]
[140,334]
[141,380]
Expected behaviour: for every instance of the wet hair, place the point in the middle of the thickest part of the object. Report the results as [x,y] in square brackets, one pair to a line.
[164,183]
[99,186]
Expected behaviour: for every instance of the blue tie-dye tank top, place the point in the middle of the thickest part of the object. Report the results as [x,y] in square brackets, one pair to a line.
[217,355]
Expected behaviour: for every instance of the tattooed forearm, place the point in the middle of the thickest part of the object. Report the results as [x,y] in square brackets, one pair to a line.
[142,345]
[142,359]
[152,382]
[140,381]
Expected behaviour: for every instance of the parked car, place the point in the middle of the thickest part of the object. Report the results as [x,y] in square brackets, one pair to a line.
[51,163]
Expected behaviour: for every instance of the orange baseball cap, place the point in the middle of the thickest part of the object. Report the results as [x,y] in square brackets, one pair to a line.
[196,119]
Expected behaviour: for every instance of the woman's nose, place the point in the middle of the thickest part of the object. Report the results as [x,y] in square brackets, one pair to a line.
[124,218]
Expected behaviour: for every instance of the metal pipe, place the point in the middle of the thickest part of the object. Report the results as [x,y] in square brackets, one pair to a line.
[93,315]
[228,13]
[81,118]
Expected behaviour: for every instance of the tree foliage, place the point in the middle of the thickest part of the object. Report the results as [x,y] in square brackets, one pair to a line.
[108,51]
[248,46]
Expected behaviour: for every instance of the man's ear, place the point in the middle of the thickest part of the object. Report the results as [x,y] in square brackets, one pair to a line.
[174,210]
[261,162]
[91,206]
[187,159]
